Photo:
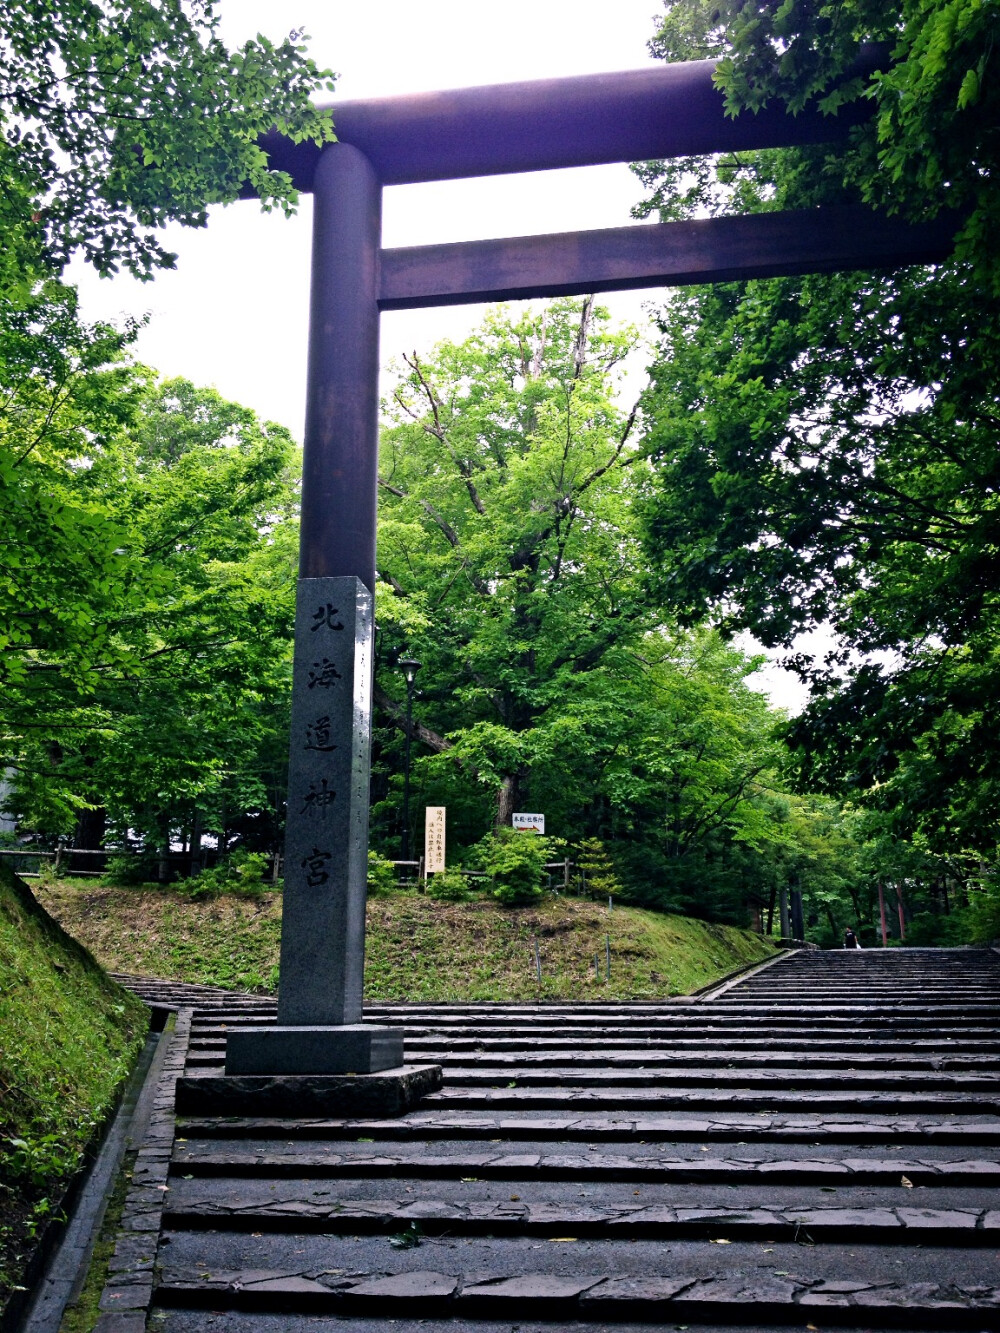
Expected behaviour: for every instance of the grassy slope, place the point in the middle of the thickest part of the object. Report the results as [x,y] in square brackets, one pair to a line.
[68,1038]
[418,949]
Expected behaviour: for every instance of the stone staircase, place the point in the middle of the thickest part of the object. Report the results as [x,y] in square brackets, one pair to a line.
[815,1145]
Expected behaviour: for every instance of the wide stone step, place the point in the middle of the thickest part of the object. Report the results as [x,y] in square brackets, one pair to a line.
[648,1071]
[685,1022]
[721,1077]
[309,1206]
[593,1127]
[589,1166]
[570,1053]
[617,1096]
[614,1090]
[663,1299]
[178,1319]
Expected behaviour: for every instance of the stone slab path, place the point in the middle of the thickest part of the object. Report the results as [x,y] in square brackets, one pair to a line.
[815,1146]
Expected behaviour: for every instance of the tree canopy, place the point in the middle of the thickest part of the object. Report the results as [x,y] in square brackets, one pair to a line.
[825,447]
[930,143]
[568,570]
[117,117]
[142,639]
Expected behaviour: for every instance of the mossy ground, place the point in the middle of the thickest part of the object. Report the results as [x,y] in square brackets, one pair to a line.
[417,948]
[68,1039]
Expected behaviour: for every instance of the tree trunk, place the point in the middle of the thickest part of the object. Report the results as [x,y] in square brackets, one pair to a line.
[195,844]
[90,828]
[89,833]
[507,795]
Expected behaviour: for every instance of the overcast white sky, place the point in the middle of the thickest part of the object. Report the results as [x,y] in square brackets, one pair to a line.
[234,312]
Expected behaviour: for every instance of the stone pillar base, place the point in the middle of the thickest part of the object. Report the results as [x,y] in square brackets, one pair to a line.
[351,1048]
[307,1096]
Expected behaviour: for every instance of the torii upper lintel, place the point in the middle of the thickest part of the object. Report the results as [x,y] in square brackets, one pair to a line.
[663,110]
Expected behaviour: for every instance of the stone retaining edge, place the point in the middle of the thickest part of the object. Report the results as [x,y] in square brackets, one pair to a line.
[128,1291]
[731,979]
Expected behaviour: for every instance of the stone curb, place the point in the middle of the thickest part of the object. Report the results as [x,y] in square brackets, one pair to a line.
[128,1292]
[63,1278]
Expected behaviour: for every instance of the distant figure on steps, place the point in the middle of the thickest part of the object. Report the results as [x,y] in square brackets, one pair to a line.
[850,939]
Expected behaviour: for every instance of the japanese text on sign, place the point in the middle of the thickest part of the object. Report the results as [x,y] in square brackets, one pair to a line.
[529,823]
[434,839]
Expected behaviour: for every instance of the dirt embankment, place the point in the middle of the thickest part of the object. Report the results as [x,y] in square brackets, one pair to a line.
[417,948]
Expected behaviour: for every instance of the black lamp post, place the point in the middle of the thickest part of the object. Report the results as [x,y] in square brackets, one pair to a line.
[410,667]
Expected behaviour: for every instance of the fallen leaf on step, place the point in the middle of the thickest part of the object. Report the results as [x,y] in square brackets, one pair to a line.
[907,1184]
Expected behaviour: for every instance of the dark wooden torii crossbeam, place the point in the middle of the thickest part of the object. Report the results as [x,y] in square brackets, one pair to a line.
[659,112]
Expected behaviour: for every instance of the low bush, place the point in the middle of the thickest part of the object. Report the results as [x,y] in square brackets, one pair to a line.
[450,886]
[126,871]
[516,864]
[241,873]
[381,875]
[976,924]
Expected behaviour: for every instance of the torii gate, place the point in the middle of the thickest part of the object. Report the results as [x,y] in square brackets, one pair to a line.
[662,111]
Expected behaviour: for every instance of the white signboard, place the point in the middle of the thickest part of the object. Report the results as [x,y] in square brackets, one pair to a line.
[434,839]
[529,823]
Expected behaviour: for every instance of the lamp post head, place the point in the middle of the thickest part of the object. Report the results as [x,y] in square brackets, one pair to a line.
[410,667]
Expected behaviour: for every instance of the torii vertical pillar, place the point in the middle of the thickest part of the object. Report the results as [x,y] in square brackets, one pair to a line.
[319,1027]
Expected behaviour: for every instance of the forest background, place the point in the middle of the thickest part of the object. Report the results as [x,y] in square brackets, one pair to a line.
[567,567]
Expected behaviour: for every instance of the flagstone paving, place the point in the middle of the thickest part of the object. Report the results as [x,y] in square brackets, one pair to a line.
[816,1145]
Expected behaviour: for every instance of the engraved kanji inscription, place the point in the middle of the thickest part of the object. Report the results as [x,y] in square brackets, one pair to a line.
[318,735]
[325,617]
[315,867]
[324,674]
[318,798]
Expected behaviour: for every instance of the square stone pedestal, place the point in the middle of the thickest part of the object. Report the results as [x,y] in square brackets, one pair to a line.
[350,1048]
[353,1070]
[308,1096]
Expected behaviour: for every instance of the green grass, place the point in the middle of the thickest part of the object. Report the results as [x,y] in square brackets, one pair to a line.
[417,948]
[68,1039]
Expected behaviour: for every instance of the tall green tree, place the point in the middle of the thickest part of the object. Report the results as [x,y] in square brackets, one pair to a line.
[507,484]
[511,566]
[154,699]
[929,145]
[123,555]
